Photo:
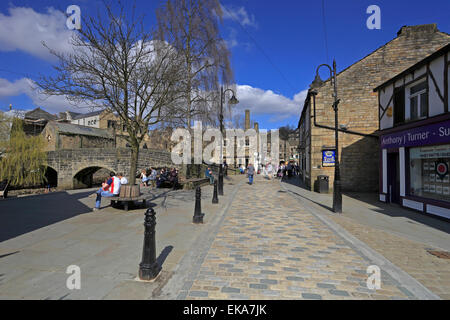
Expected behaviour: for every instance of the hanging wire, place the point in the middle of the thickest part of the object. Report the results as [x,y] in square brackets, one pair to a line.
[233,16]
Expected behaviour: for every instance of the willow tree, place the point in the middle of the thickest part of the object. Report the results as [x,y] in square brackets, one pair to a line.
[24,160]
[192,29]
[117,64]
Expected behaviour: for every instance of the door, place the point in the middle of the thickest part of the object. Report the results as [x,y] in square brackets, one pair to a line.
[393,171]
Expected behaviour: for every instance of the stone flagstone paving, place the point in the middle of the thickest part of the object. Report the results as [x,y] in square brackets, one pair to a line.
[270,247]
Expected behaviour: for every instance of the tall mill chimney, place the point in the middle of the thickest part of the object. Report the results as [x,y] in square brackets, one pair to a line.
[247,119]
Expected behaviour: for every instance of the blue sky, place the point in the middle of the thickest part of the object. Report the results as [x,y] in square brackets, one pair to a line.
[275,48]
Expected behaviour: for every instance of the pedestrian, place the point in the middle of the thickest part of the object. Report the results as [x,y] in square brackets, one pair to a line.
[153,177]
[110,188]
[144,178]
[250,173]
[269,170]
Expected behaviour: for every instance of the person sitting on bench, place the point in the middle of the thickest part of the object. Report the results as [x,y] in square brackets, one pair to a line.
[110,188]
[209,175]
[173,178]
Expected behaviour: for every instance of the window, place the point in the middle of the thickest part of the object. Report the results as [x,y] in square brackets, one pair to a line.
[418,101]
[247,141]
[427,167]
[399,105]
[111,124]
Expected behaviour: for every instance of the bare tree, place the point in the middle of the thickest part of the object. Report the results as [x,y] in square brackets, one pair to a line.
[117,64]
[192,28]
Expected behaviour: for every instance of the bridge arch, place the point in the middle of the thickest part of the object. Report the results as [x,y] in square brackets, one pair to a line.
[90,176]
[51,176]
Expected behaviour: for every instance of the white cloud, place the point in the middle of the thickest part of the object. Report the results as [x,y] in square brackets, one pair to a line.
[52,104]
[267,102]
[25,29]
[240,14]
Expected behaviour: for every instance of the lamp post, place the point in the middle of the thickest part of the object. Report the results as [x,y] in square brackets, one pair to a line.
[232,100]
[317,83]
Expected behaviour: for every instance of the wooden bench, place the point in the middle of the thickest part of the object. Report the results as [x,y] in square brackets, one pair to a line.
[129,194]
[4,188]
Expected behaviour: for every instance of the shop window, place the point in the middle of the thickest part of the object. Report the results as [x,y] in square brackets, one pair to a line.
[418,101]
[429,177]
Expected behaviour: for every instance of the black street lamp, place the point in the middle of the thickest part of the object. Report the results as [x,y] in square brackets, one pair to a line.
[317,83]
[232,100]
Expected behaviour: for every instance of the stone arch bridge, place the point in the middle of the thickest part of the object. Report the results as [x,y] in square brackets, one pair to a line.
[74,169]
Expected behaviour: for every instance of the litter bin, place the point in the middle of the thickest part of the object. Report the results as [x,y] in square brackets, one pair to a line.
[323,182]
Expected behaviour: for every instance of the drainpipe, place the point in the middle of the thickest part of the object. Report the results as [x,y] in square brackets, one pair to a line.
[314,93]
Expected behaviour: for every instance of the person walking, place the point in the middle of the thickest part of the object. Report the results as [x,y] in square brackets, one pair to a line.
[250,173]
[269,170]
[144,178]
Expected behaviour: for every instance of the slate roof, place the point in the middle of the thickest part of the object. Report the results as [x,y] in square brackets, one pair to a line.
[38,114]
[80,130]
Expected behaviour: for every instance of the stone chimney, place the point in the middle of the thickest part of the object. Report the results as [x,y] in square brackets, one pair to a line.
[10,107]
[247,119]
[68,116]
[256,126]
[418,29]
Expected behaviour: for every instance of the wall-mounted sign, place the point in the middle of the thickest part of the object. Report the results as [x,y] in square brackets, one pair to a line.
[328,158]
[420,136]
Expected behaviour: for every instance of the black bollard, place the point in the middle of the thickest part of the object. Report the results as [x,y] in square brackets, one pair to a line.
[149,268]
[220,182]
[198,215]
[215,199]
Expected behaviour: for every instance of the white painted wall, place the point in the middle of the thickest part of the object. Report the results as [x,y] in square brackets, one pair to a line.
[386,122]
[89,121]
[443,212]
[413,204]
[436,106]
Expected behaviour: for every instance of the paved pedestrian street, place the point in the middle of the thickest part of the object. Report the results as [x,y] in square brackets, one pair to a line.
[269,240]
[270,246]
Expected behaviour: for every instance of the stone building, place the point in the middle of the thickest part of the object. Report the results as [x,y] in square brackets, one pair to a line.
[358,110]
[63,136]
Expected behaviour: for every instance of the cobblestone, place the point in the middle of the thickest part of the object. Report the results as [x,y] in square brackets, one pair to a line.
[284,242]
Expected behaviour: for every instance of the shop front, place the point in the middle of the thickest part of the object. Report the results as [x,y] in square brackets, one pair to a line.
[415,167]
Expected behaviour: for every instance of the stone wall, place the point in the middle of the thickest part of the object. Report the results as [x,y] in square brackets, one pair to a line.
[71,164]
[358,109]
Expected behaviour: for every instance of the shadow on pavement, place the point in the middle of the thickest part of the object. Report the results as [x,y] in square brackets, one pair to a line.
[295,181]
[26,214]
[163,255]
[394,210]
[373,204]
